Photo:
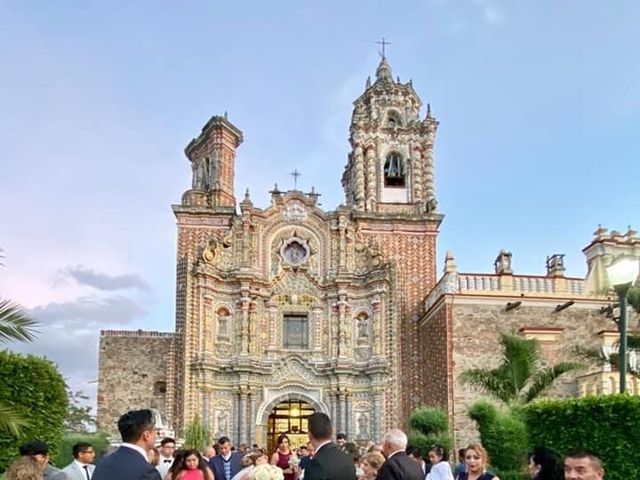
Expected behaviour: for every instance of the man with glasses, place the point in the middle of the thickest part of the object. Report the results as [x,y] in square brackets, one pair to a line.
[82,466]
[129,462]
[167,449]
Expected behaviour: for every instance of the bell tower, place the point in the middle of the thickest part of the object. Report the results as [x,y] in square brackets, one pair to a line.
[391,164]
[212,155]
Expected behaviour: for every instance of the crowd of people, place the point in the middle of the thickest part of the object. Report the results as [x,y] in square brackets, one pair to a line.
[138,458]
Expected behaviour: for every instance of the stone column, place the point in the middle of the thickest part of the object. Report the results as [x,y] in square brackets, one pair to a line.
[342,334]
[251,423]
[244,328]
[359,187]
[272,310]
[242,411]
[376,417]
[236,418]
[416,174]
[342,401]
[317,330]
[348,422]
[372,180]
[333,399]
[377,321]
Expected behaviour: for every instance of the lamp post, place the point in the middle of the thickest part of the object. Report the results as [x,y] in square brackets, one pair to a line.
[622,272]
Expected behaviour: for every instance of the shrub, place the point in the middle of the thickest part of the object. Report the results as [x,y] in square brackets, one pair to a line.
[100,442]
[197,435]
[503,434]
[34,388]
[606,425]
[429,426]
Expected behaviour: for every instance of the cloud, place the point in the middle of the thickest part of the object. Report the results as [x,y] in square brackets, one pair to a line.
[87,312]
[69,335]
[102,281]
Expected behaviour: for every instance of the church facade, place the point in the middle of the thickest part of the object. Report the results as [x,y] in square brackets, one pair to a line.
[288,310]
[295,308]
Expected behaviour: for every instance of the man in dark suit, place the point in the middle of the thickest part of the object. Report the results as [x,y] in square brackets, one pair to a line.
[129,462]
[328,462]
[226,463]
[399,466]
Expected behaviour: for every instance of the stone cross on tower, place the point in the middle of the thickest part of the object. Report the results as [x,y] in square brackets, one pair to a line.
[295,174]
[384,44]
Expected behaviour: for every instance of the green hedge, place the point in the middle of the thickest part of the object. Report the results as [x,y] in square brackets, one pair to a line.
[36,390]
[64,456]
[607,425]
[504,435]
[429,426]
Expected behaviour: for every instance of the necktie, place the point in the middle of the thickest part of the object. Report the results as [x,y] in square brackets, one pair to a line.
[86,471]
[168,461]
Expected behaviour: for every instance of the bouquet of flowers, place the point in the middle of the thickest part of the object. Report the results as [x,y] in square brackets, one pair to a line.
[266,472]
[294,461]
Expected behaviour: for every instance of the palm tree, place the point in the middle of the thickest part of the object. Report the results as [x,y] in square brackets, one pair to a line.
[15,324]
[520,377]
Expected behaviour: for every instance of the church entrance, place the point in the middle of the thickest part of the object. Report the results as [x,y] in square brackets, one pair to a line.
[289,417]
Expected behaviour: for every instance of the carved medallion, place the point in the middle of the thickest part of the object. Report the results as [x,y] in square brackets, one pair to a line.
[295,251]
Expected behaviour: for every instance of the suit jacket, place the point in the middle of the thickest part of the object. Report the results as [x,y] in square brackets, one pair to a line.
[400,467]
[217,465]
[125,464]
[73,471]
[329,463]
[53,473]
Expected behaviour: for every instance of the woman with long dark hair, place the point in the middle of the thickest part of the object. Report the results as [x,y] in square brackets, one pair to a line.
[283,457]
[545,464]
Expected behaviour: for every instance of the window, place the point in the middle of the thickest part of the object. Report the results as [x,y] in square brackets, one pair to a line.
[393,119]
[296,332]
[394,174]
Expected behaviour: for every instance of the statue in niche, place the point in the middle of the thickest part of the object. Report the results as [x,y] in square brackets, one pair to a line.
[222,423]
[223,323]
[363,328]
[363,427]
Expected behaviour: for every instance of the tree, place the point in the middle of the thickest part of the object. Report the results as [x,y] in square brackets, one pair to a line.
[35,390]
[197,435]
[79,418]
[15,324]
[520,377]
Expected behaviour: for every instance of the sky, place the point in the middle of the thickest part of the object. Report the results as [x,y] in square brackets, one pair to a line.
[538,103]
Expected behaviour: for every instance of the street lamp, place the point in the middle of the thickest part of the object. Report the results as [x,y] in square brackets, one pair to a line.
[622,272]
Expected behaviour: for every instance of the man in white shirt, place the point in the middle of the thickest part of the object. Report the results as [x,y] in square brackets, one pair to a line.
[167,449]
[82,466]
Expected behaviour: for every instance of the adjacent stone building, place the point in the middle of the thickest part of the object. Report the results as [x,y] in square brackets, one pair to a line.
[290,309]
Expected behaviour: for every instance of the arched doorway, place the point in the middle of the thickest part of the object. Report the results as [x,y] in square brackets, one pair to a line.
[289,417]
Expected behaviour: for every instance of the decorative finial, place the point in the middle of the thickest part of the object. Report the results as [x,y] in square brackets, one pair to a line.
[368,82]
[226,115]
[429,110]
[295,174]
[246,195]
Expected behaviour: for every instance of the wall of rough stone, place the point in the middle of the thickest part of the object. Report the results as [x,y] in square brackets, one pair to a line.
[132,369]
[476,323]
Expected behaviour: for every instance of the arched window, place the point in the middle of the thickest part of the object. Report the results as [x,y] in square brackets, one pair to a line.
[394,171]
[393,119]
